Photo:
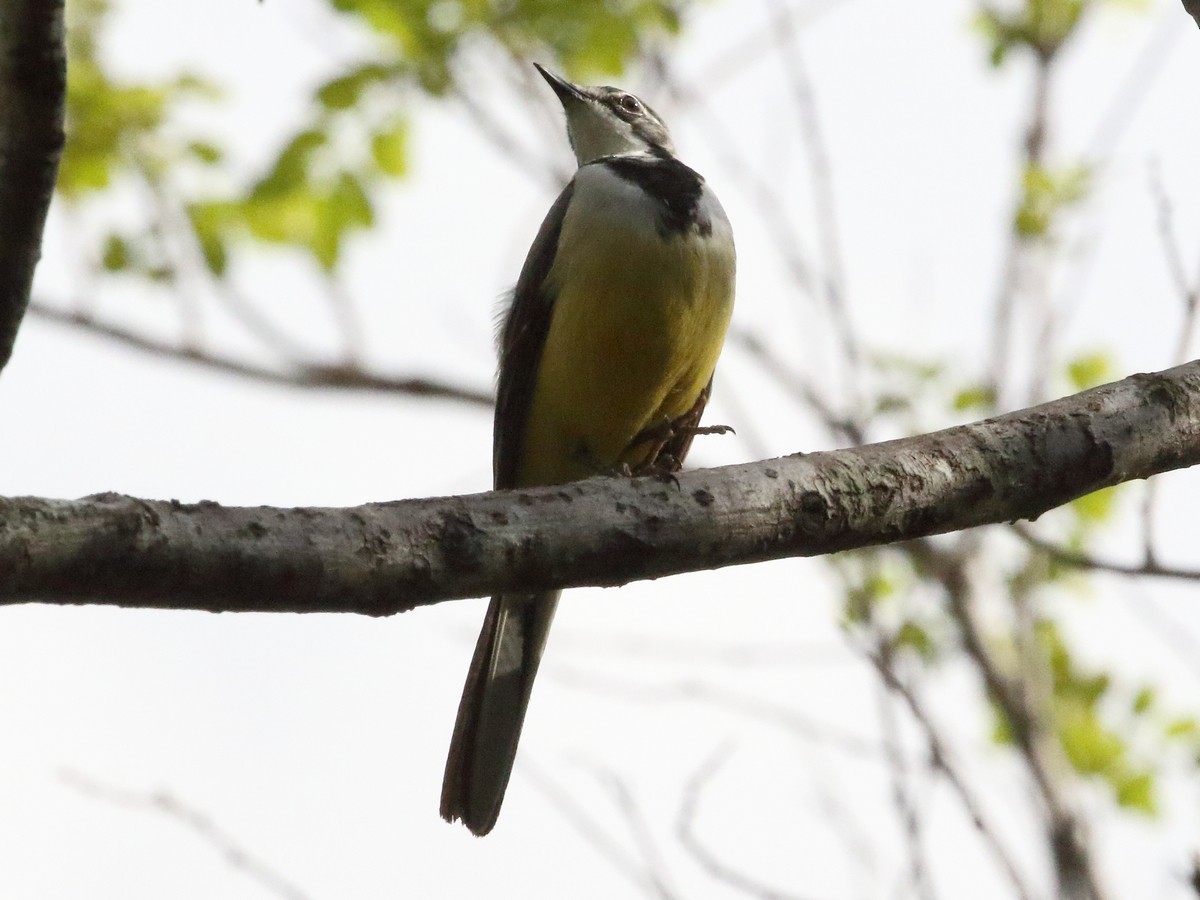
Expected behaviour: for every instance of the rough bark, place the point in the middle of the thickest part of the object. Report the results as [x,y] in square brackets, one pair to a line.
[390,557]
[32,94]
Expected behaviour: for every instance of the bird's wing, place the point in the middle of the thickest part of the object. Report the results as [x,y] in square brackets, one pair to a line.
[522,337]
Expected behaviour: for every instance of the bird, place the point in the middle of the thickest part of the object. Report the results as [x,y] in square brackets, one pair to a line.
[607,351]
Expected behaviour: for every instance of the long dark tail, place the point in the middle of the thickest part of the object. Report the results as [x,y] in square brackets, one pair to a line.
[493,706]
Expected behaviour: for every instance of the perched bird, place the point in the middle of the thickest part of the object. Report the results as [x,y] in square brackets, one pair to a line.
[607,353]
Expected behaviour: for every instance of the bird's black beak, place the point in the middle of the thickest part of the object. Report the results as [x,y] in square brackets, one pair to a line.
[565,90]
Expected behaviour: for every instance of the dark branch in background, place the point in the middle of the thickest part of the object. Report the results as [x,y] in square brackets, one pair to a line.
[1068,557]
[383,558]
[1008,688]
[33,79]
[297,375]
[942,763]
[1020,244]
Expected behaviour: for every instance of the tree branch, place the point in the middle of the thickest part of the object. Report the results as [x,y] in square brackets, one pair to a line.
[383,558]
[33,78]
[1079,560]
[297,375]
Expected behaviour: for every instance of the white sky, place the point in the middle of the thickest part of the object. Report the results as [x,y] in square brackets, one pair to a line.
[317,742]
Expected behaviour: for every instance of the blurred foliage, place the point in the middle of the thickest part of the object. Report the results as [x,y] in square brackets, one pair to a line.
[1045,194]
[115,128]
[323,183]
[1088,370]
[1109,731]
[1115,736]
[420,38]
[1040,26]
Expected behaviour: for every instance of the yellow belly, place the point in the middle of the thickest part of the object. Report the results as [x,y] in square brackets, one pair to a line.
[637,327]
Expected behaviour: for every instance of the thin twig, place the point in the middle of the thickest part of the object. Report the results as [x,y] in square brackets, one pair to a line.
[201,825]
[301,375]
[898,774]
[498,134]
[750,654]
[341,303]
[791,721]
[1033,156]
[1085,561]
[654,866]
[585,825]
[1065,832]
[833,277]
[1187,286]
[748,51]
[685,829]
[841,427]
[1130,95]
[940,759]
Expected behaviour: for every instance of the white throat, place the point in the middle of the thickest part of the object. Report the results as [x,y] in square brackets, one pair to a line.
[594,134]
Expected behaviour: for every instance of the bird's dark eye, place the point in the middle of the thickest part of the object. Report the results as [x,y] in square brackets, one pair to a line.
[630,104]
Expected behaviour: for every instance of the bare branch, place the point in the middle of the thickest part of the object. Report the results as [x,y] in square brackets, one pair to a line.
[902,793]
[208,831]
[582,820]
[1019,244]
[940,759]
[1086,561]
[833,277]
[32,90]
[626,801]
[301,375]
[797,724]
[840,426]
[383,558]
[1065,829]
[735,654]
[685,829]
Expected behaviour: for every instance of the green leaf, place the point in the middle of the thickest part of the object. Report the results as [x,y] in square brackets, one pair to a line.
[211,222]
[916,638]
[279,217]
[389,149]
[1091,748]
[1136,792]
[347,90]
[291,168]
[208,153]
[1002,730]
[1090,369]
[976,398]
[349,205]
[216,256]
[1096,507]
[1143,701]
[1184,727]
[116,256]
[1045,194]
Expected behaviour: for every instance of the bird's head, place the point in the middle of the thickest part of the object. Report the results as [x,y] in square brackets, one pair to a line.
[606,121]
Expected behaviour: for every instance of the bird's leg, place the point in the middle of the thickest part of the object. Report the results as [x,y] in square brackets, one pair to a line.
[708,429]
[589,460]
